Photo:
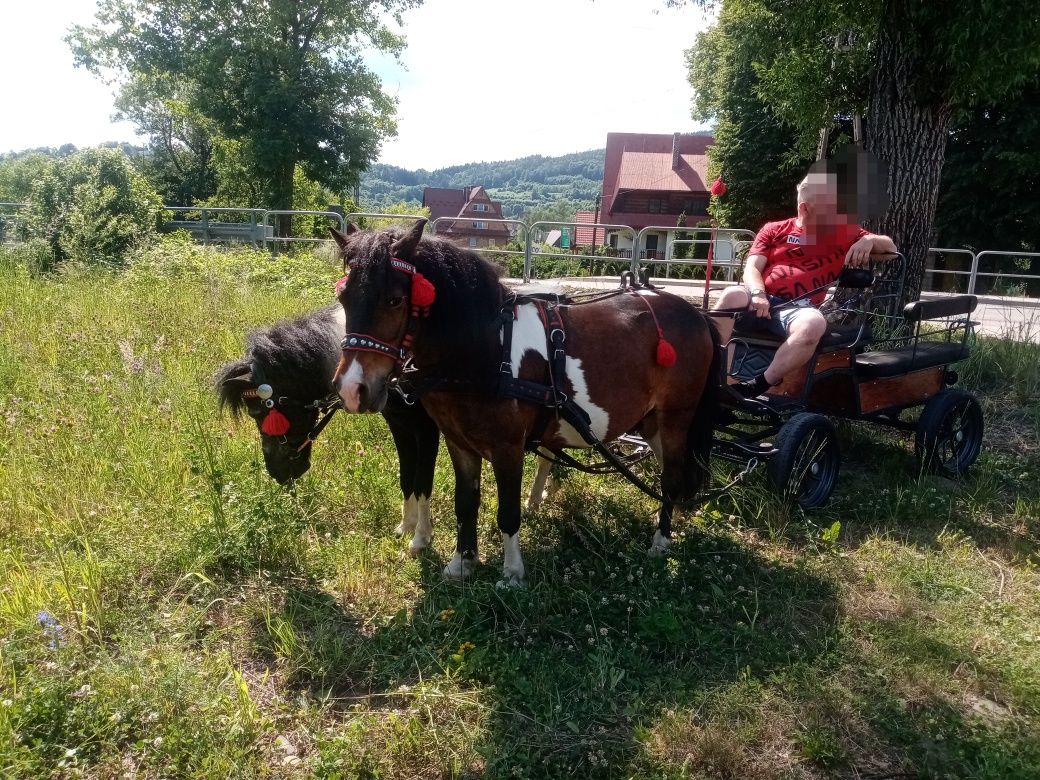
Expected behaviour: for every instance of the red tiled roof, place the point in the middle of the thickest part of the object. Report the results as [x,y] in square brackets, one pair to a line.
[583,236]
[643,161]
[443,202]
[653,171]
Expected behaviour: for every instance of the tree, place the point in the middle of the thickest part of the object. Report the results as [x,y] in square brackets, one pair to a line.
[286,78]
[91,207]
[755,152]
[989,197]
[909,67]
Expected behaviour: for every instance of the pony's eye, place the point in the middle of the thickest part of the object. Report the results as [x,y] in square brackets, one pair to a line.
[396,301]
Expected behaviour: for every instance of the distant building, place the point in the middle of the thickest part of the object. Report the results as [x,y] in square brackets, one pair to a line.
[650,179]
[466,214]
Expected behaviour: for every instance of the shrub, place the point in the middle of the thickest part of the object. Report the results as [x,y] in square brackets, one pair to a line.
[91,207]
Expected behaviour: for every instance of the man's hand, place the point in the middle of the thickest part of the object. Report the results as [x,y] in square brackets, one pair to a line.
[759,305]
[859,253]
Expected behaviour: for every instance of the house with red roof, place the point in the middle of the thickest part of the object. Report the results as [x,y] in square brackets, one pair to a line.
[649,180]
[464,215]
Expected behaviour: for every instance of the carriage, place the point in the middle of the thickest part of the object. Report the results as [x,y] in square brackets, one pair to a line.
[875,364]
[508,371]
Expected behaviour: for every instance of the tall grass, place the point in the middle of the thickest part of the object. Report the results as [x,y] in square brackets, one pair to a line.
[166,610]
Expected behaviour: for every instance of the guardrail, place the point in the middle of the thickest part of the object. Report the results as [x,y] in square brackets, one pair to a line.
[207,230]
[8,221]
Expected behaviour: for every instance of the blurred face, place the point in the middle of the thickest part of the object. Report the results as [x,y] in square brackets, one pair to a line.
[818,202]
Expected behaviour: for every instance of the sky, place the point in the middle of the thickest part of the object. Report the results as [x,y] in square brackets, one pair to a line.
[479,81]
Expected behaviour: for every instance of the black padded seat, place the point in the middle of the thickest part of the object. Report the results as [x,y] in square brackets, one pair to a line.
[894,362]
[836,335]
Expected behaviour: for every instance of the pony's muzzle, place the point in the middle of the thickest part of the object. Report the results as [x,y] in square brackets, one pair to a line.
[360,391]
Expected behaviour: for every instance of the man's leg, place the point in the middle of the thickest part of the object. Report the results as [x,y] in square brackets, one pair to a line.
[735,297]
[804,331]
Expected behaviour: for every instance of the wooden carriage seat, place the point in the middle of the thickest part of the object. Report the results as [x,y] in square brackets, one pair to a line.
[920,354]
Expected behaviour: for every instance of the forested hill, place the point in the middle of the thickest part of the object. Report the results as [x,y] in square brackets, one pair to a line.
[521,184]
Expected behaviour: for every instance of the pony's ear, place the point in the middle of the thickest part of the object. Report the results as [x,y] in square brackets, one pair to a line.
[406,244]
[239,383]
[340,238]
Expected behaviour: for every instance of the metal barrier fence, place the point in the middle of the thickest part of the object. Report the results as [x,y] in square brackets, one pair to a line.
[207,230]
[9,221]
[277,241]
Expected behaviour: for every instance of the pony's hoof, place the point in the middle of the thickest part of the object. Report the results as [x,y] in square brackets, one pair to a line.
[459,568]
[511,581]
[400,530]
[417,545]
[660,545]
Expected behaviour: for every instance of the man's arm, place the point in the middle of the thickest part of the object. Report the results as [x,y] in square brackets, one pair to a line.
[859,253]
[753,268]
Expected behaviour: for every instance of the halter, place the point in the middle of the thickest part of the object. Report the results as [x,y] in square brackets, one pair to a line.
[420,297]
[326,407]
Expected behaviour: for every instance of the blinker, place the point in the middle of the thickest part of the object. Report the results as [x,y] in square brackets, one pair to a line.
[264,392]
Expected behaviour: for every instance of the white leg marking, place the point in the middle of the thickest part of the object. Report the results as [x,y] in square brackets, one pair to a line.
[539,492]
[513,567]
[458,568]
[350,386]
[423,527]
[660,545]
[409,516]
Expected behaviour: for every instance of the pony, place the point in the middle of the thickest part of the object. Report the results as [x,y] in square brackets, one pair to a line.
[639,361]
[292,363]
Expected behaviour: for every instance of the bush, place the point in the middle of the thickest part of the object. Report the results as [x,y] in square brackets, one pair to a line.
[90,207]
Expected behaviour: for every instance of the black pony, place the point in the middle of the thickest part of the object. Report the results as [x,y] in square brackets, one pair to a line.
[292,364]
[500,372]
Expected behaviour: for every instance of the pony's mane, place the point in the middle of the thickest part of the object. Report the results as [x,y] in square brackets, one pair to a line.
[296,357]
[469,290]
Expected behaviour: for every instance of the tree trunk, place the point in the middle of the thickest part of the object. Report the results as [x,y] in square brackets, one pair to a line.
[911,138]
[280,196]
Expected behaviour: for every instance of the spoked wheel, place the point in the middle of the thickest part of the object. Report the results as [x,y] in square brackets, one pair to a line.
[949,433]
[805,466]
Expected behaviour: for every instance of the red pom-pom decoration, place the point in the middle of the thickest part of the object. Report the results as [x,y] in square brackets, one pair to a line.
[423,291]
[718,187]
[275,424]
[340,284]
[665,353]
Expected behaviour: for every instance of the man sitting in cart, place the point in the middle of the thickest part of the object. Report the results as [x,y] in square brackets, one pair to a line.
[789,259]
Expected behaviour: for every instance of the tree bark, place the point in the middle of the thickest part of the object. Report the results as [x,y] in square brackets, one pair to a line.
[910,137]
[280,197]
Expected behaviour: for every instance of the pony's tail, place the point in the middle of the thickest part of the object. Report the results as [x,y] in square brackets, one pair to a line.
[702,429]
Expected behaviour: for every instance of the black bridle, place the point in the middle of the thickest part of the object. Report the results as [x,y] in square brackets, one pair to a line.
[326,408]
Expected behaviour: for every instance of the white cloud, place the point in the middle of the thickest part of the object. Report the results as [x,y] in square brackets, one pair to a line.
[46,101]
[490,81]
[483,80]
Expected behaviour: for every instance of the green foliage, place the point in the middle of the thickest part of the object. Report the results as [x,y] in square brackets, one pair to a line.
[990,192]
[90,207]
[250,631]
[287,80]
[17,175]
[574,177]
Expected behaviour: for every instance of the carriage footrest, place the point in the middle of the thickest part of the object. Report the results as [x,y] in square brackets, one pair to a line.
[894,362]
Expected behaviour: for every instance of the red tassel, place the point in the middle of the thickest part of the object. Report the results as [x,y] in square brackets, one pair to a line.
[423,291]
[340,284]
[275,424]
[718,187]
[665,353]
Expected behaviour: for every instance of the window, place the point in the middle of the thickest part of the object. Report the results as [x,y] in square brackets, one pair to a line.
[481,207]
[654,206]
[480,225]
[472,242]
[491,242]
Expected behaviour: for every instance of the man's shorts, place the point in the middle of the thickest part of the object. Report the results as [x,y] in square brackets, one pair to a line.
[779,322]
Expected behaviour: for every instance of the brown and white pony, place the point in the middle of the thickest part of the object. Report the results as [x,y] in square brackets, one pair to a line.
[444,308]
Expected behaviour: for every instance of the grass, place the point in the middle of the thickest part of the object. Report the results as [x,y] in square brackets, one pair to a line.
[167,611]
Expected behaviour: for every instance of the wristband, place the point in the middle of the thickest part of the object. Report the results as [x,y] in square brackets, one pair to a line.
[758,291]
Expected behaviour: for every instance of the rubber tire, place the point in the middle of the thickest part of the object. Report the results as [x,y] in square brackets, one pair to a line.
[953,411]
[802,431]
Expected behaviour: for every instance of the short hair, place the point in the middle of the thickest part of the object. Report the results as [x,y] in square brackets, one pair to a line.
[815,178]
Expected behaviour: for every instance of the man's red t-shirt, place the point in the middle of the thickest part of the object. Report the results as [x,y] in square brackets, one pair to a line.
[794,267]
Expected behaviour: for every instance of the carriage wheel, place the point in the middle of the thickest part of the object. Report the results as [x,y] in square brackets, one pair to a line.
[949,433]
[805,466]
